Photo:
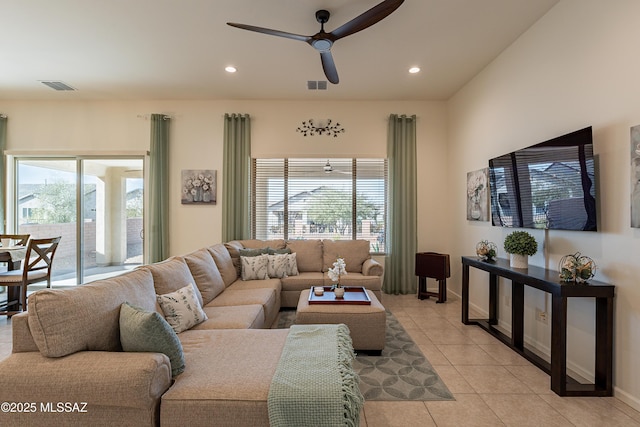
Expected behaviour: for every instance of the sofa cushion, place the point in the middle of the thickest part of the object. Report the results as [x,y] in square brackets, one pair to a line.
[266,297]
[182,308]
[147,331]
[254,267]
[87,317]
[228,379]
[249,316]
[205,272]
[303,281]
[224,263]
[354,253]
[308,254]
[170,275]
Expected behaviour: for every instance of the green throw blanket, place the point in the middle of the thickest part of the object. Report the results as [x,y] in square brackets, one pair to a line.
[314,383]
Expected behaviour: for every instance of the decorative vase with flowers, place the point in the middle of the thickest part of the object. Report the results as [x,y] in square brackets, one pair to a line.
[520,245]
[576,268]
[486,250]
[339,269]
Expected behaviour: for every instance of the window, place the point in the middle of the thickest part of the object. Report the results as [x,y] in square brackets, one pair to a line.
[340,199]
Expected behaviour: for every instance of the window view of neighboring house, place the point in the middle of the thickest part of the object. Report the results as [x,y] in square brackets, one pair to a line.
[317,199]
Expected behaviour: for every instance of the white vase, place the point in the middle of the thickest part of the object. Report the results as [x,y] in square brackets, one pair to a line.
[339,292]
[519,261]
[475,212]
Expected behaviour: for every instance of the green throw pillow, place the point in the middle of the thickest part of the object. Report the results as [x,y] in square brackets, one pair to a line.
[248,252]
[272,251]
[147,331]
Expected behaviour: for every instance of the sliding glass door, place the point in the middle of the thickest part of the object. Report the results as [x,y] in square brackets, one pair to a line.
[95,204]
[46,201]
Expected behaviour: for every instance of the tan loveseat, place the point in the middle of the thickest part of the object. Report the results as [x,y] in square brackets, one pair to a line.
[67,365]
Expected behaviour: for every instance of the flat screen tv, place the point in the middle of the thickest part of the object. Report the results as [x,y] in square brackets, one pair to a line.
[551,185]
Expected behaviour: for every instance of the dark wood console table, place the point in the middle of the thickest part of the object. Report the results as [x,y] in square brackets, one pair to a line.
[548,281]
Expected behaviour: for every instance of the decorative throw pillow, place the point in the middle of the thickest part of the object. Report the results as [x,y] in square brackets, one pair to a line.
[272,251]
[252,252]
[292,269]
[277,265]
[254,267]
[147,331]
[182,308]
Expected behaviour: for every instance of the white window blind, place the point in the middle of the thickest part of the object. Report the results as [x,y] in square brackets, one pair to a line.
[340,199]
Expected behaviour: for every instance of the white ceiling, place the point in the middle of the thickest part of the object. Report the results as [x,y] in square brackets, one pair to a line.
[177,49]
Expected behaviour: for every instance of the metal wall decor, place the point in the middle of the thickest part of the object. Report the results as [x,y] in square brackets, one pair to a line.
[308,128]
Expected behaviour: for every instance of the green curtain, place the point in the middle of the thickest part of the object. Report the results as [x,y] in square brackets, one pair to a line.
[399,276]
[235,190]
[3,171]
[159,188]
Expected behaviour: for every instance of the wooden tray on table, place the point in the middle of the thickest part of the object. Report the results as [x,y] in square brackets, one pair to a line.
[352,295]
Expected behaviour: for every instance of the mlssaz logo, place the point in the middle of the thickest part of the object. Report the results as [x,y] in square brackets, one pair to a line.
[80,407]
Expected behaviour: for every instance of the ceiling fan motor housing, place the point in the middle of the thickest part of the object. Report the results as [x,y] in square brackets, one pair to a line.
[322,16]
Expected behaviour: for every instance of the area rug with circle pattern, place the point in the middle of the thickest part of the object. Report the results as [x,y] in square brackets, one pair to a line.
[401,372]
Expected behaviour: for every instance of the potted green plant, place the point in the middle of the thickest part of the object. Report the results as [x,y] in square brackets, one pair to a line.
[520,245]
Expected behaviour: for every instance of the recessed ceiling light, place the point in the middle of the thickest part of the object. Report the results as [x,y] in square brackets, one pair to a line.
[414,70]
[230,69]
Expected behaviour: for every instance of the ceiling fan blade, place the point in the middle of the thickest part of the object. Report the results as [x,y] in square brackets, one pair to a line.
[367,19]
[329,67]
[270,32]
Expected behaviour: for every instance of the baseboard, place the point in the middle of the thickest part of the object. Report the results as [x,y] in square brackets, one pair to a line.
[625,397]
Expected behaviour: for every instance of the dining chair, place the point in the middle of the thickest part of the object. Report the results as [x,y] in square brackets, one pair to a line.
[36,267]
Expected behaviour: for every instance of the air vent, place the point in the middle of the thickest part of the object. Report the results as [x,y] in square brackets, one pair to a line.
[55,85]
[317,84]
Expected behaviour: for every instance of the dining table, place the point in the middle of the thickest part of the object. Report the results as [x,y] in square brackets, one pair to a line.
[13,256]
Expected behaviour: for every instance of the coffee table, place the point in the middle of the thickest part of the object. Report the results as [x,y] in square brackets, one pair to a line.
[366,322]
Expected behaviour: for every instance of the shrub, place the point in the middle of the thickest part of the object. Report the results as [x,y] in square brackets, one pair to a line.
[521,243]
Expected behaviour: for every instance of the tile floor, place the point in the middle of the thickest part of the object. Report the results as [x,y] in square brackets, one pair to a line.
[492,385]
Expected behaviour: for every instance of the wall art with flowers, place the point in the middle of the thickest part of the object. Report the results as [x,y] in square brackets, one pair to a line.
[478,195]
[198,187]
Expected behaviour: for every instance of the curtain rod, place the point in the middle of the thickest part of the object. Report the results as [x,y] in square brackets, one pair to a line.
[148,116]
[3,116]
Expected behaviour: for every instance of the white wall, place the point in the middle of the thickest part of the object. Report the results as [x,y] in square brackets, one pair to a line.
[577,67]
[196,143]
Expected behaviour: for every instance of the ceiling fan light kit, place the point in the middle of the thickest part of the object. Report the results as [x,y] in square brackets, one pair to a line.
[323,41]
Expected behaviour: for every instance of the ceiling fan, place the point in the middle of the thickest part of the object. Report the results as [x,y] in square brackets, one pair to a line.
[323,41]
[329,169]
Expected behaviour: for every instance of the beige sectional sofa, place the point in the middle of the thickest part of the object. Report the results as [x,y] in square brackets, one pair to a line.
[314,258]
[68,368]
